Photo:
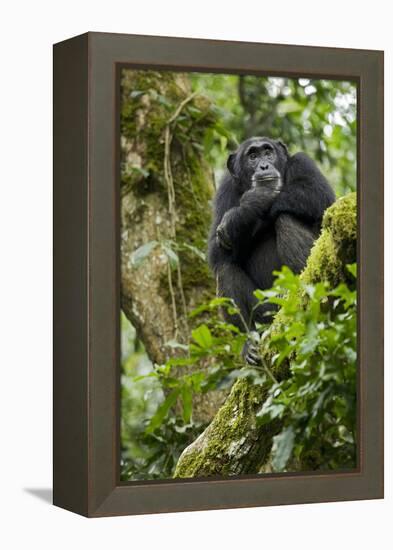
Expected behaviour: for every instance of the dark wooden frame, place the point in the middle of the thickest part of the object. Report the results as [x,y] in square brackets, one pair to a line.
[86,273]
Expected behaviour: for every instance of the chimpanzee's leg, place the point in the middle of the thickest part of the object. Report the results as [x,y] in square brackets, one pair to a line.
[294,241]
[233,282]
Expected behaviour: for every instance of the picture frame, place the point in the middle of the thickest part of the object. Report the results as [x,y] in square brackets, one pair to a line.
[86,274]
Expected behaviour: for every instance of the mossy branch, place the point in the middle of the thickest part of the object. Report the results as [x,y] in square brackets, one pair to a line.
[234,443]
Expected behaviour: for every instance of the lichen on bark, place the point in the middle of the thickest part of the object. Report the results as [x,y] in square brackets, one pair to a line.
[234,443]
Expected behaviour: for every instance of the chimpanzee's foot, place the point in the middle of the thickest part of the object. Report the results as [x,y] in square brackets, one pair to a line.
[251,354]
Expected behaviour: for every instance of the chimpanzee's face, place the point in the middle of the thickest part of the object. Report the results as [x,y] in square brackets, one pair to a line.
[258,161]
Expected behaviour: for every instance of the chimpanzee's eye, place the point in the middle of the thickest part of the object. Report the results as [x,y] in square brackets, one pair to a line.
[252,156]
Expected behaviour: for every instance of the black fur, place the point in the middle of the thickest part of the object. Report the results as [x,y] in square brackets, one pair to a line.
[267,213]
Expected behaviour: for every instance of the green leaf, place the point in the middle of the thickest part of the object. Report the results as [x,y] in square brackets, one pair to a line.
[195,250]
[163,100]
[279,358]
[217,302]
[162,411]
[259,295]
[282,448]
[139,170]
[186,395]
[352,268]
[173,344]
[194,110]
[173,258]
[222,131]
[198,310]
[180,361]
[140,254]
[202,336]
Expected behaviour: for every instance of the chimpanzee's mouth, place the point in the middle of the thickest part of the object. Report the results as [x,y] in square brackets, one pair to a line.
[264,179]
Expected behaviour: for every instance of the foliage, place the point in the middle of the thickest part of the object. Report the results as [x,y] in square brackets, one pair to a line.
[156,418]
[150,447]
[317,403]
[314,115]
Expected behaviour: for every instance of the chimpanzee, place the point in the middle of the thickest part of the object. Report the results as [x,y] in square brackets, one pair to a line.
[267,213]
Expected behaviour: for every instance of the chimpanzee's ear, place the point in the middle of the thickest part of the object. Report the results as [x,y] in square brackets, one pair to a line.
[231,165]
[283,147]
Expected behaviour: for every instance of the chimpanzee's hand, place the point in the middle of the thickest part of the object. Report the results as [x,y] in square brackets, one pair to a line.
[268,187]
[222,234]
[261,197]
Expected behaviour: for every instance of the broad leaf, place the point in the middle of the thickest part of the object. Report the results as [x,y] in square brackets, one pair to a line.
[171,255]
[140,254]
[162,411]
[202,336]
[186,395]
[282,448]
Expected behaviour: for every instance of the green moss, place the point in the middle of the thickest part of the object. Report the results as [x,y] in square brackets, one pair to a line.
[227,435]
[148,100]
[336,247]
[323,261]
[340,219]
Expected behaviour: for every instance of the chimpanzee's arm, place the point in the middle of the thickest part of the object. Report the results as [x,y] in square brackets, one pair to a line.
[237,225]
[240,223]
[232,281]
[227,197]
[306,193]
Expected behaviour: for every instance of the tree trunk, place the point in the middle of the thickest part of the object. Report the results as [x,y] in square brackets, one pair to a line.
[166,189]
[233,443]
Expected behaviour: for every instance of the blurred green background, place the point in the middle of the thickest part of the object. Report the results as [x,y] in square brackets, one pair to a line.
[315,116]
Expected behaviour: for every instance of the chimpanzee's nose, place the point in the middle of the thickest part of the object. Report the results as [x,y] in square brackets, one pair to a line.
[264,166]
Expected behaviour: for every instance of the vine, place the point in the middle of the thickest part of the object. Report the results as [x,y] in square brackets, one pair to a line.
[168,176]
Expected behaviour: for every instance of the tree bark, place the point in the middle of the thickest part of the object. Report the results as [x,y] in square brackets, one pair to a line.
[166,189]
[233,443]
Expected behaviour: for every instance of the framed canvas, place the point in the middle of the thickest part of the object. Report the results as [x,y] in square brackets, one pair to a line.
[216,352]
